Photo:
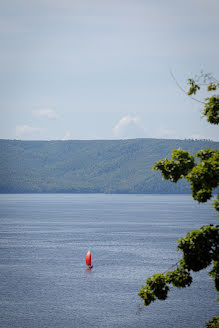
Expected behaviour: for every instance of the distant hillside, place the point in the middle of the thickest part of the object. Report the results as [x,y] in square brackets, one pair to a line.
[103,166]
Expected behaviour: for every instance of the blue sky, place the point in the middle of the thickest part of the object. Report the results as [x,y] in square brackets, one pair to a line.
[100,69]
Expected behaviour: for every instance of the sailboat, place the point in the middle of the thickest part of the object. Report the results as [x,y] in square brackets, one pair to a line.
[88,259]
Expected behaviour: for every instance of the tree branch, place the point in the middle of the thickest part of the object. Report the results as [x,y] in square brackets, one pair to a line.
[184,91]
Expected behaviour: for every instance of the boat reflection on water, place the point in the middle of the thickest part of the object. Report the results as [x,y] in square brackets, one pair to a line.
[88,270]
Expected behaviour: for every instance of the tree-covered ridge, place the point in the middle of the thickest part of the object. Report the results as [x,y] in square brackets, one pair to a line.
[108,166]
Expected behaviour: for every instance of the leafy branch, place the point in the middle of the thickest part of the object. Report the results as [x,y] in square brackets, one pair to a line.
[211,104]
[200,248]
[203,175]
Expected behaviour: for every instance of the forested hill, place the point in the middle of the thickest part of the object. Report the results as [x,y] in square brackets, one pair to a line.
[106,166]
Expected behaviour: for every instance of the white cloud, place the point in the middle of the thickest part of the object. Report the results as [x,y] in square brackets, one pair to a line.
[47,112]
[67,135]
[26,130]
[129,127]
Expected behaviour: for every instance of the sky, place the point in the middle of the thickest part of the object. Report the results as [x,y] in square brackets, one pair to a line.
[100,69]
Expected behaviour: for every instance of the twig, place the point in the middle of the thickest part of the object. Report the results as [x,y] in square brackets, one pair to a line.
[179,86]
[171,267]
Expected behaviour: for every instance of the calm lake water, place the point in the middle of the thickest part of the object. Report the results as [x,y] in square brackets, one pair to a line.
[43,242]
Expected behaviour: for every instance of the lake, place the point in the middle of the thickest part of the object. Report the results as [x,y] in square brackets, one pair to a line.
[43,277]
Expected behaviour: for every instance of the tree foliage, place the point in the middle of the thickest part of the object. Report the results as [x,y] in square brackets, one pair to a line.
[203,175]
[211,107]
[214,323]
[200,248]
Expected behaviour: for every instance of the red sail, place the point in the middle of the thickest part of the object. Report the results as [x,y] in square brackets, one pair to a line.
[88,258]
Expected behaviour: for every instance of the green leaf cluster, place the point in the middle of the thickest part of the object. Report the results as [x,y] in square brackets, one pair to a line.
[214,273]
[211,108]
[194,87]
[214,323]
[200,249]
[180,277]
[212,87]
[177,167]
[155,288]
[203,175]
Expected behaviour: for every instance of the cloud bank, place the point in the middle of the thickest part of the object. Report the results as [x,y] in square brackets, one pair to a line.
[129,127]
[26,130]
